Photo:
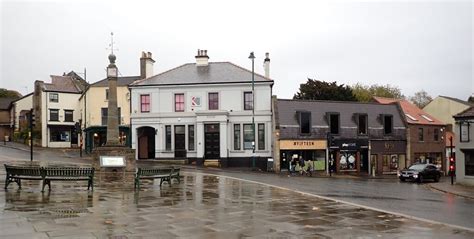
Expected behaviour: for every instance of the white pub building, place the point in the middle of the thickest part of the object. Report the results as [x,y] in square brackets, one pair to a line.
[203,111]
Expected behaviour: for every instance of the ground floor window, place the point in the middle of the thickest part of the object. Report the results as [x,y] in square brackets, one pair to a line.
[249,136]
[59,135]
[431,158]
[317,158]
[393,162]
[191,137]
[168,137]
[347,160]
[469,163]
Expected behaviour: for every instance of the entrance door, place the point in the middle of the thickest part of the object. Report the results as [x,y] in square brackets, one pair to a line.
[143,147]
[364,161]
[212,142]
[146,142]
[179,141]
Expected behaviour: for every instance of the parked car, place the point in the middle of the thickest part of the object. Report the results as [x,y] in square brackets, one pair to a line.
[420,172]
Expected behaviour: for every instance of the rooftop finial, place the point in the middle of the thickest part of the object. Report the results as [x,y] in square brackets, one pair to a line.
[112,57]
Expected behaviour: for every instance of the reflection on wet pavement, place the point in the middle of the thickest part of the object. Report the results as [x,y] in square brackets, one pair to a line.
[201,206]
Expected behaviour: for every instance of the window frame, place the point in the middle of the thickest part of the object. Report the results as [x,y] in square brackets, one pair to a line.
[366,126]
[105,117]
[191,137]
[261,136]
[57,115]
[244,138]
[330,114]
[72,115]
[54,99]
[300,119]
[468,131]
[436,134]
[145,106]
[215,101]
[180,103]
[251,106]
[106,94]
[384,121]
[421,137]
[237,137]
[168,139]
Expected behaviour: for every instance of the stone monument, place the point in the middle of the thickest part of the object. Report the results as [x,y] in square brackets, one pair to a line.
[114,163]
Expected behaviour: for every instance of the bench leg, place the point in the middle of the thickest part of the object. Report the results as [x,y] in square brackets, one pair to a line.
[18,181]
[7,181]
[137,183]
[90,184]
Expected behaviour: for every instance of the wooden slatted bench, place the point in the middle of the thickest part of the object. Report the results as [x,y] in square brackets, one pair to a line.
[17,173]
[68,174]
[164,174]
[48,174]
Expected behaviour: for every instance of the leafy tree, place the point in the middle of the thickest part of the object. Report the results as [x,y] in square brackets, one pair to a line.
[4,93]
[320,90]
[421,99]
[365,93]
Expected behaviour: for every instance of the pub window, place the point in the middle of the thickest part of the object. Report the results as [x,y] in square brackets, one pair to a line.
[236,136]
[362,124]
[53,115]
[436,135]
[387,124]
[191,137]
[261,136]
[248,100]
[53,97]
[420,134]
[179,102]
[213,101]
[105,113]
[68,115]
[464,134]
[305,122]
[334,123]
[168,137]
[249,136]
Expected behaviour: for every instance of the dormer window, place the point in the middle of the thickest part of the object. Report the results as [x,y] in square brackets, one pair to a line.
[387,124]
[334,123]
[362,124]
[305,122]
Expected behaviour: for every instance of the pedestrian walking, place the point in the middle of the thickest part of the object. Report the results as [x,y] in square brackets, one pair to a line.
[301,164]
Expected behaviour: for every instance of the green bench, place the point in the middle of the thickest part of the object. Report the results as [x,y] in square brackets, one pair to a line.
[48,174]
[164,174]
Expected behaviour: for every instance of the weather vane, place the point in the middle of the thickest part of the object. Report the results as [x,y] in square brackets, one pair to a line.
[111,45]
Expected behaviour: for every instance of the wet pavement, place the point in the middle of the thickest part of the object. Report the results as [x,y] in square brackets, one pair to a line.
[201,206]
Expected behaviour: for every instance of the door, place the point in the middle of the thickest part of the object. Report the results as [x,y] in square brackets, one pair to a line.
[143,147]
[146,142]
[211,141]
[179,141]
[364,161]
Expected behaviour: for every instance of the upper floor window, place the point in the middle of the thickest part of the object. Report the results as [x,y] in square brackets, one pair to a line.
[53,115]
[334,123]
[106,94]
[68,115]
[387,124]
[213,101]
[145,103]
[420,135]
[179,102]
[53,97]
[362,124]
[464,132]
[105,113]
[305,122]
[436,135]
[248,100]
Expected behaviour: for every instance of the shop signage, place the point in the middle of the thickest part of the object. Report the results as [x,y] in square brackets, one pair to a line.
[349,144]
[388,146]
[303,144]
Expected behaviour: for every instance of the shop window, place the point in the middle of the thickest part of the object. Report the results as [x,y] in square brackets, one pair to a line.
[469,162]
[261,136]
[68,115]
[362,124]
[168,137]
[191,137]
[179,102]
[334,123]
[145,103]
[347,161]
[420,134]
[213,101]
[390,163]
[236,136]
[249,136]
[464,132]
[387,124]
[105,113]
[436,135]
[248,100]
[53,115]
[59,135]
[305,122]
[53,97]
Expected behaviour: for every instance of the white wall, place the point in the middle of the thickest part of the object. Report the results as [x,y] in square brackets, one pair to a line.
[460,159]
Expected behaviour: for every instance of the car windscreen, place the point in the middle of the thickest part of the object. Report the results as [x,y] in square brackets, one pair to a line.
[417,167]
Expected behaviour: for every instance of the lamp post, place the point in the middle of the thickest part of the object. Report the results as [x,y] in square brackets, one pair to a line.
[252,57]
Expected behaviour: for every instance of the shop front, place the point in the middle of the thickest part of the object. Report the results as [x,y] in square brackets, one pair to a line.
[314,150]
[349,155]
[388,156]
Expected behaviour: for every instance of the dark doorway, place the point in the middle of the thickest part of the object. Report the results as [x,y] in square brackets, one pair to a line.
[211,137]
[364,161]
[179,141]
[146,142]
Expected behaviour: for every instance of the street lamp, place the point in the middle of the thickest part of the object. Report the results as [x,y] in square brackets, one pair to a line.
[252,57]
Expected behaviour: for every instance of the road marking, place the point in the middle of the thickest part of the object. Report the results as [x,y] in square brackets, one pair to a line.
[345,202]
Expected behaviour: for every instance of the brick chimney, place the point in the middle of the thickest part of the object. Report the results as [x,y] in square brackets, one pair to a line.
[202,59]
[146,65]
[266,65]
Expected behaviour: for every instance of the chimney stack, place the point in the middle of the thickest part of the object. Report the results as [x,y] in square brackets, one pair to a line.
[266,65]
[202,59]
[146,65]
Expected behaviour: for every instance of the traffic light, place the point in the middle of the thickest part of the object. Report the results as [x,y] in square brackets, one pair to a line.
[32,118]
[452,164]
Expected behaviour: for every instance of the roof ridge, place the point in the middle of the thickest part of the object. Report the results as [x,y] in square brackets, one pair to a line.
[247,70]
[142,80]
[335,101]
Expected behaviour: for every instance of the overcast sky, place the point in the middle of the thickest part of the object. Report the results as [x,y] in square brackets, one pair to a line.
[412,45]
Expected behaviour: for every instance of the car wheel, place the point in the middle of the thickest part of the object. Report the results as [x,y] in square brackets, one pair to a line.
[402,179]
[420,178]
[436,179]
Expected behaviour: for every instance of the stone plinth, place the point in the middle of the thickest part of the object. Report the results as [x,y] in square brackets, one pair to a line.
[115,176]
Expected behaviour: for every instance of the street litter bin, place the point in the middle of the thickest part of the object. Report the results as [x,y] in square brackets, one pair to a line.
[270,165]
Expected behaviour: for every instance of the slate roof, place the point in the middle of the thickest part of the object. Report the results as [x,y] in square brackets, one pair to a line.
[63,84]
[413,114]
[214,73]
[468,113]
[5,103]
[121,81]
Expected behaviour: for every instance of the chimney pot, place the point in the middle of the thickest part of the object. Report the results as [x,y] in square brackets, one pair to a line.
[202,59]
[266,65]
[146,65]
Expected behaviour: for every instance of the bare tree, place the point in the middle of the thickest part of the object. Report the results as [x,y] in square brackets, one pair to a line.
[421,99]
